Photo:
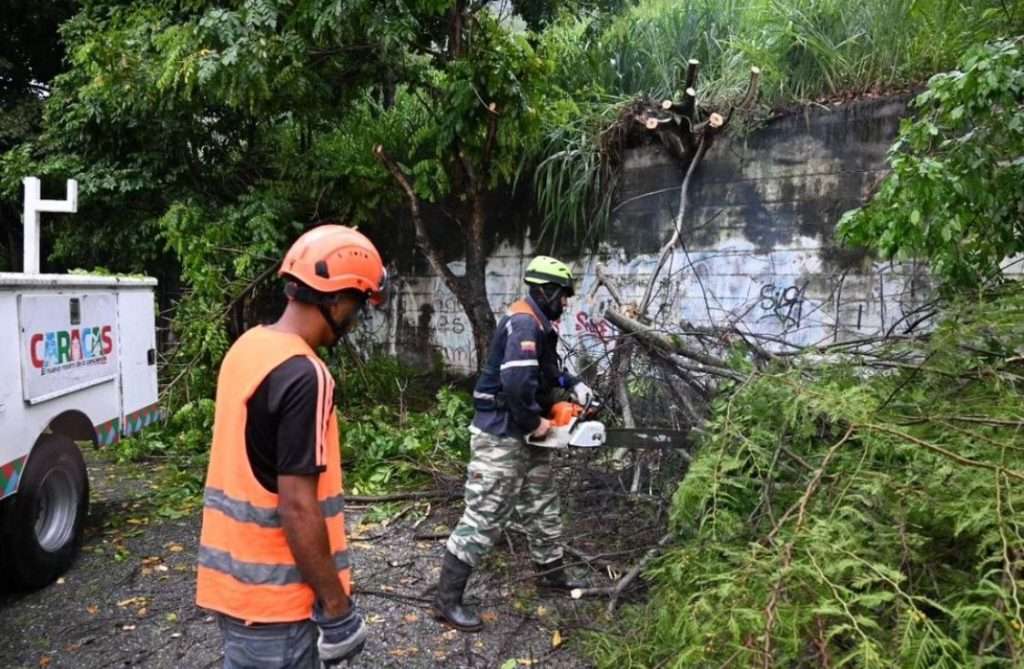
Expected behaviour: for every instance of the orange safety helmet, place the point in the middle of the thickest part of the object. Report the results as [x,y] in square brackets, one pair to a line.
[332,258]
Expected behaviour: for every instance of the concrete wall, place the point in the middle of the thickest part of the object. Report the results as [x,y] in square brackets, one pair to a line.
[759,250]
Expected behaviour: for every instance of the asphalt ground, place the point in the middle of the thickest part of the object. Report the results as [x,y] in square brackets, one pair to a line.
[128,601]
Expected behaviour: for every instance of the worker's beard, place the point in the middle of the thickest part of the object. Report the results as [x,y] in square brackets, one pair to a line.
[339,329]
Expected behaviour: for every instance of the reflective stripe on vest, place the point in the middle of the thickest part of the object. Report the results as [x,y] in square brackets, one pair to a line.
[246,568]
[256,573]
[244,512]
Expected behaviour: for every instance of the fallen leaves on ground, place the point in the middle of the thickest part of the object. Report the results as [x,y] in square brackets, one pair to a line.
[404,652]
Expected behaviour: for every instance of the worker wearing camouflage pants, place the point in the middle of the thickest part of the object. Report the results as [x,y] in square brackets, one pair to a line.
[508,477]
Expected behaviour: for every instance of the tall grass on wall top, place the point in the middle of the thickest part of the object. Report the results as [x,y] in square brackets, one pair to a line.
[806,49]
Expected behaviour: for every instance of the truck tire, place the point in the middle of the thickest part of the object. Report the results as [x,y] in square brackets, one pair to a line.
[47,515]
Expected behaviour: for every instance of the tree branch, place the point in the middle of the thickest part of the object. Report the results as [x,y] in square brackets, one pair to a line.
[660,341]
[674,240]
[422,239]
[604,280]
[945,453]
[492,136]
[692,68]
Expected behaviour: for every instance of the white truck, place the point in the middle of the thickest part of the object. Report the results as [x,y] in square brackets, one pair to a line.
[77,364]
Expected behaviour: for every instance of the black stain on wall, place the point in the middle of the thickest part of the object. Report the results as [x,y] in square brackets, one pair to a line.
[811,167]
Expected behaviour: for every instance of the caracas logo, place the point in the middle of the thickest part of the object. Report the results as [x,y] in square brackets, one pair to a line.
[63,349]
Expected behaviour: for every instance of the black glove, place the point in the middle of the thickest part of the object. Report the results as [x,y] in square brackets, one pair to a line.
[341,639]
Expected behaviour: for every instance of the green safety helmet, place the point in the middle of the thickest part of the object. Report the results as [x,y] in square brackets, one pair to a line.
[545,269]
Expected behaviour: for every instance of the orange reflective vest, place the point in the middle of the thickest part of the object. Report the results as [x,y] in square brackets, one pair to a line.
[246,568]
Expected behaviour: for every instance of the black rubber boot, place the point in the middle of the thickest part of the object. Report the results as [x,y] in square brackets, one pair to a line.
[448,604]
[554,576]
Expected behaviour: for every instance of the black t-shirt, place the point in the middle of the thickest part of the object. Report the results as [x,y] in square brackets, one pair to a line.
[286,427]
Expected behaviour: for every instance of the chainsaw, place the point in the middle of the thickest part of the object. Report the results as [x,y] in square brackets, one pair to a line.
[576,426]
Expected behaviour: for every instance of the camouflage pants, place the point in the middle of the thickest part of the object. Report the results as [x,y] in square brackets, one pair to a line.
[507,478]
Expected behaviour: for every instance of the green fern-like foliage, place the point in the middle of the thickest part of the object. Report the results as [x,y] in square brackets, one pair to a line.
[849,514]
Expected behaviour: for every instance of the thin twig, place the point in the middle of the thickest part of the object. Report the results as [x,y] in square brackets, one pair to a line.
[945,453]
[402,496]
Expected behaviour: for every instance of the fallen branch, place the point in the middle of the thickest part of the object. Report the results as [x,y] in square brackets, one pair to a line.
[658,340]
[948,454]
[616,590]
[402,496]
[604,280]
[678,225]
[800,506]
[431,536]
[684,366]
[390,595]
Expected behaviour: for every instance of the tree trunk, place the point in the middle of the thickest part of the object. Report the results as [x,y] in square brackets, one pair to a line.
[476,304]
[471,288]
[481,319]
[455,26]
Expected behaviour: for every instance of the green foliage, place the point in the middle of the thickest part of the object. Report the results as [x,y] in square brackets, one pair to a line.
[383,446]
[956,191]
[181,446]
[185,434]
[806,49]
[206,136]
[381,380]
[383,450]
[837,514]
[31,55]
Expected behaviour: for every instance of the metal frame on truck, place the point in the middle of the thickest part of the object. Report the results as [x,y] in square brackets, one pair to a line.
[77,364]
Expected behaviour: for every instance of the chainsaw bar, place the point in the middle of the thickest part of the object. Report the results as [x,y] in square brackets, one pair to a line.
[641,438]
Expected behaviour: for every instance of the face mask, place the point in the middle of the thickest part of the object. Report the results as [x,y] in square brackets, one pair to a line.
[551,305]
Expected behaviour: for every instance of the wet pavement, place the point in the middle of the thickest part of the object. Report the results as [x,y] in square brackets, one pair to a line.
[128,600]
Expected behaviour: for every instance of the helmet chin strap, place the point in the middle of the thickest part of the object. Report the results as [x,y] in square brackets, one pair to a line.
[323,304]
[340,329]
[551,304]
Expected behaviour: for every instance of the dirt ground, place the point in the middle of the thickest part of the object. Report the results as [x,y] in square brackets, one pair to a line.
[128,600]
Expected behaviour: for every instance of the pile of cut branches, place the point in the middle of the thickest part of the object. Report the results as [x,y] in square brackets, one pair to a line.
[853,513]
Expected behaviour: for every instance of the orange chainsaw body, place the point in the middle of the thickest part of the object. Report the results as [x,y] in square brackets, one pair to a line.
[563,413]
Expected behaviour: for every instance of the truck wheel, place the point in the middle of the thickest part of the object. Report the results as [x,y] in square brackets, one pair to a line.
[48,513]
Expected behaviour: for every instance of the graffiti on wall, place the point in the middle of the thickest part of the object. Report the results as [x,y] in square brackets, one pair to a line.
[783,304]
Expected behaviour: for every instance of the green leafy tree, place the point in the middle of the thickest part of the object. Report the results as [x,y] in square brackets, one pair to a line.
[207,135]
[31,55]
[188,125]
[956,191]
[468,123]
[839,517]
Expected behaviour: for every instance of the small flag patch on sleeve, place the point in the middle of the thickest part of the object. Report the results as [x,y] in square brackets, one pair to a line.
[529,346]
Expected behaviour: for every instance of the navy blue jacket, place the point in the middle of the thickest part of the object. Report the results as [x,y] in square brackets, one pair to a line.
[523,369]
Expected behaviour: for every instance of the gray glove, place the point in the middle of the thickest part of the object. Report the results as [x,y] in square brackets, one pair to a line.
[582,393]
[341,639]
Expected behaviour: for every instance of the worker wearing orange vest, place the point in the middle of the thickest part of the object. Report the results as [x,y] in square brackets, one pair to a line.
[273,558]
